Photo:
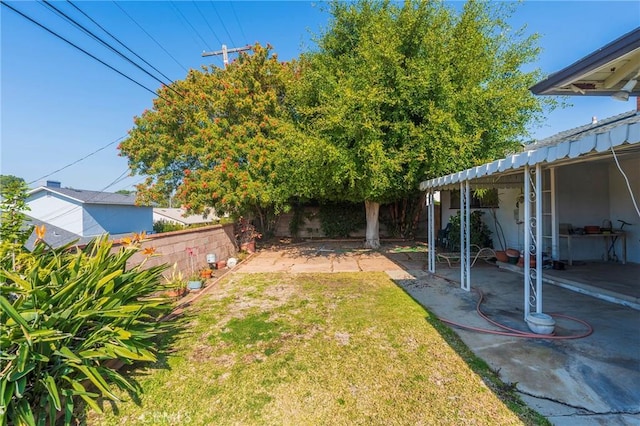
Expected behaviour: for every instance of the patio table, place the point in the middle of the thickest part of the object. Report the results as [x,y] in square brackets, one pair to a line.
[608,238]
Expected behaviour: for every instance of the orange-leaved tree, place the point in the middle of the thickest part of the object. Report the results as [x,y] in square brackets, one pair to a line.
[221,139]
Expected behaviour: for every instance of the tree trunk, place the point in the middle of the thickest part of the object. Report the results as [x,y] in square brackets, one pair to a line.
[372,209]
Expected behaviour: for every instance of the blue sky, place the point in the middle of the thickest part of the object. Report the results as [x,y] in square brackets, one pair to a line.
[58,105]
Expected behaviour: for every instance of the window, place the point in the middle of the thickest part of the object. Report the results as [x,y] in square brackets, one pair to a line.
[480,199]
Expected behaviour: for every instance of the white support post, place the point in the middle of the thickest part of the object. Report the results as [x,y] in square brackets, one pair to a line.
[467,257]
[431,254]
[465,236]
[527,240]
[555,239]
[538,241]
[533,239]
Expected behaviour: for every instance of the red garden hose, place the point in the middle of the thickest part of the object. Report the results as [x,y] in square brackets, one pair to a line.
[512,332]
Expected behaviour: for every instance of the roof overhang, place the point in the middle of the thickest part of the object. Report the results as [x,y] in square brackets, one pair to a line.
[53,191]
[624,138]
[601,73]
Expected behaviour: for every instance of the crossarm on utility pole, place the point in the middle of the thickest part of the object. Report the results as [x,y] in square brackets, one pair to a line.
[225,52]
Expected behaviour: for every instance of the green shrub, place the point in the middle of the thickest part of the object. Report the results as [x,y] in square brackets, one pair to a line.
[63,318]
[480,233]
[341,219]
[166,226]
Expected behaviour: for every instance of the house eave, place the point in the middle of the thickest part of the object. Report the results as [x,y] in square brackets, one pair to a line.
[590,75]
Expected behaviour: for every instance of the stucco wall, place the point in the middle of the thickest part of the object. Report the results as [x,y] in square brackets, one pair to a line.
[171,247]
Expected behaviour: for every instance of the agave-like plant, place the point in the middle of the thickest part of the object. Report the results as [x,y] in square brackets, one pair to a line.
[64,319]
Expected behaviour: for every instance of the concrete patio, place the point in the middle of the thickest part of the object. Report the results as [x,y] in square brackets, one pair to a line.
[588,381]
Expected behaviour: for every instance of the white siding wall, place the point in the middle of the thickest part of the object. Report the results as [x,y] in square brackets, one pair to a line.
[115,219]
[621,206]
[58,211]
[510,218]
[583,200]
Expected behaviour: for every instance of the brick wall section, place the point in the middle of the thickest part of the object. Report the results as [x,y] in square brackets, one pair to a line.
[171,247]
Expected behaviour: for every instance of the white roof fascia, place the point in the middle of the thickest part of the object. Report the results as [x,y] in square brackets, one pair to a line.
[48,188]
[627,133]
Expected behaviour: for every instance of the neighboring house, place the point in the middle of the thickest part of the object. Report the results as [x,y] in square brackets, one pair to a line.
[588,176]
[83,213]
[179,216]
[54,236]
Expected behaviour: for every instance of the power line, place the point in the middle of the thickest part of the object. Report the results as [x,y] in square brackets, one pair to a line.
[104,43]
[78,160]
[79,48]
[189,23]
[206,22]
[116,39]
[222,22]
[246,40]
[150,36]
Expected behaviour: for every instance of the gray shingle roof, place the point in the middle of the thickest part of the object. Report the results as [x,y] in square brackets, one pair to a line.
[91,197]
[54,236]
[57,237]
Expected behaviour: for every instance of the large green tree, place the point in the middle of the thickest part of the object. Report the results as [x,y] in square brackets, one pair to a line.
[7,180]
[404,92]
[221,139]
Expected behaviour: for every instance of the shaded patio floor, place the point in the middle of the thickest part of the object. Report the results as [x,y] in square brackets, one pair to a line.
[613,282]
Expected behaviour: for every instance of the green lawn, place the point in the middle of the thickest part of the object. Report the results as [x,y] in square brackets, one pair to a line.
[315,349]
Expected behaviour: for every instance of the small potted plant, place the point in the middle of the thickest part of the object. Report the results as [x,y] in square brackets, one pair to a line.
[176,285]
[195,281]
[246,235]
[206,273]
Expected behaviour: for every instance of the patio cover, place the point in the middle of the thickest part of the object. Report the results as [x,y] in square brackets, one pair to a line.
[598,139]
[615,136]
[604,72]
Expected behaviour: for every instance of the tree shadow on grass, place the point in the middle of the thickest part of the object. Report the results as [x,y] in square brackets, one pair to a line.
[507,392]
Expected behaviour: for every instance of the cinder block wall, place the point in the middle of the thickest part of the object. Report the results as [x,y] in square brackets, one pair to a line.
[174,247]
[311,226]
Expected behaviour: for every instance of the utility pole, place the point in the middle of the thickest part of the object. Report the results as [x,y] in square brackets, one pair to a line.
[225,52]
